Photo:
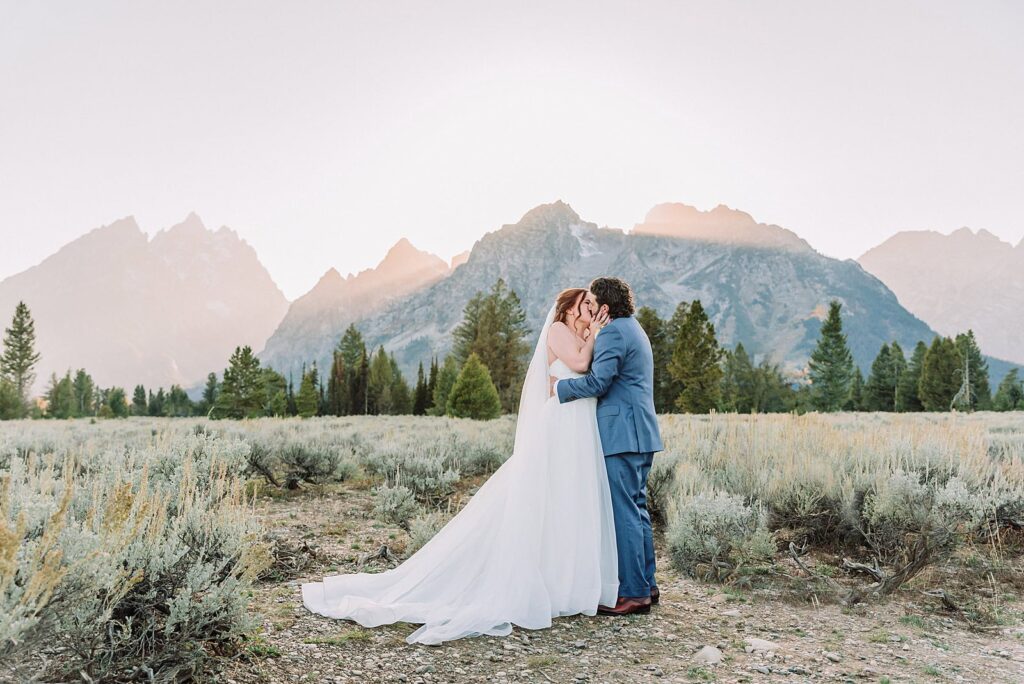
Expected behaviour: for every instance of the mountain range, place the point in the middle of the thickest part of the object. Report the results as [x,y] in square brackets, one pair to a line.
[965,280]
[172,308]
[131,310]
[768,289]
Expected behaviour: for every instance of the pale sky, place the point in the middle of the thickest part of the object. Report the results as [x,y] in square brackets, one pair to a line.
[324,131]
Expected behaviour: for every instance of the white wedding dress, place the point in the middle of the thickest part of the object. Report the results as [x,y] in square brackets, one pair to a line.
[536,541]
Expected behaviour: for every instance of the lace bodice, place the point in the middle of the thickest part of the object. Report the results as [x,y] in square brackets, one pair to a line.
[559,370]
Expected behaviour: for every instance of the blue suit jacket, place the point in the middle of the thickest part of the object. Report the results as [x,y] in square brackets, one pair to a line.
[622,378]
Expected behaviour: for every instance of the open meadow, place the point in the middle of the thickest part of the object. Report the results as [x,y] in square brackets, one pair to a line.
[851,547]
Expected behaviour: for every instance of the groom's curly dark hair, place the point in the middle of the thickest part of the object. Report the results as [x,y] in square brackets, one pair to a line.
[616,294]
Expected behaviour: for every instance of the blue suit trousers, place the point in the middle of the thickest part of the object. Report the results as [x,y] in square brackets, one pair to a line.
[627,478]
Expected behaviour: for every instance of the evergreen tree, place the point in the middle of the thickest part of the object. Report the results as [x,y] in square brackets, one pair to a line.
[139,405]
[351,346]
[908,393]
[290,408]
[855,401]
[419,402]
[976,369]
[11,405]
[446,378]
[474,395]
[738,382]
[899,368]
[60,397]
[209,395]
[306,399]
[178,404]
[1010,394]
[657,332]
[337,386]
[431,384]
[831,364]
[275,397]
[695,359]
[116,401]
[321,408]
[157,403]
[939,378]
[359,384]
[880,391]
[84,390]
[494,328]
[772,392]
[19,355]
[380,384]
[242,394]
[401,396]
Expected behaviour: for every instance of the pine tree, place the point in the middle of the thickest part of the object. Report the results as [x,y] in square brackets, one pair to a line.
[84,390]
[880,390]
[1010,394]
[60,397]
[494,328]
[939,378]
[474,395]
[242,393]
[738,381]
[431,384]
[178,404]
[306,399]
[401,396]
[11,405]
[289,404]
[359,382]
[19,355]
[117,402]
[139,406]
[855,400]
[157,403]
[969,353]
[380,383]
[695,359]
[657,332]
[772,392]
[209,394]
[446,377]
[908,393]
[337,386]
[419,403]
[899,368]
[831,364]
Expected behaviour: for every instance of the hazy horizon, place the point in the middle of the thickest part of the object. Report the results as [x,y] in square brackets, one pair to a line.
[324,132]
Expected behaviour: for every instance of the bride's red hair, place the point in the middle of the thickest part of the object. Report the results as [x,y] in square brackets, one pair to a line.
[567,300]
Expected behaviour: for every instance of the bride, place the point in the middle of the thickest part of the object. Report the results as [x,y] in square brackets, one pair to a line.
[536,541]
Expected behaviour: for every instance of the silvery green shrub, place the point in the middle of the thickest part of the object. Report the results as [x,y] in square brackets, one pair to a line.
[124,559]
[395,504]
[422,529]
[713,535]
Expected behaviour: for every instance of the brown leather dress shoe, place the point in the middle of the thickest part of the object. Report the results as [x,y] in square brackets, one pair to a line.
[655,596]
[627,606]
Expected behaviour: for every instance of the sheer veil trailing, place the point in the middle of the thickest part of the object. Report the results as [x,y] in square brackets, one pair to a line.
[535,389]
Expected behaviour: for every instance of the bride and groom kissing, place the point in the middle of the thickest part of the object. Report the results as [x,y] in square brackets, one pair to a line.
[562,527]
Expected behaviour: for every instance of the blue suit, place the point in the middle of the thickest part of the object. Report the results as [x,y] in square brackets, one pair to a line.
[622,378]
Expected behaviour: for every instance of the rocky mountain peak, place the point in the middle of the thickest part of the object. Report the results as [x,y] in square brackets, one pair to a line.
[721,225]
[556,213]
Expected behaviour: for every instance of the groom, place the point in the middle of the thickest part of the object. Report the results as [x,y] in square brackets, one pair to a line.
[622,378]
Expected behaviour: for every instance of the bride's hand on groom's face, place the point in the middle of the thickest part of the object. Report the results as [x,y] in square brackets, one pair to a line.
[599,321]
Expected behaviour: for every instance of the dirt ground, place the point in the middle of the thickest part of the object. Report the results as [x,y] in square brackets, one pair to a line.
[759,636]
